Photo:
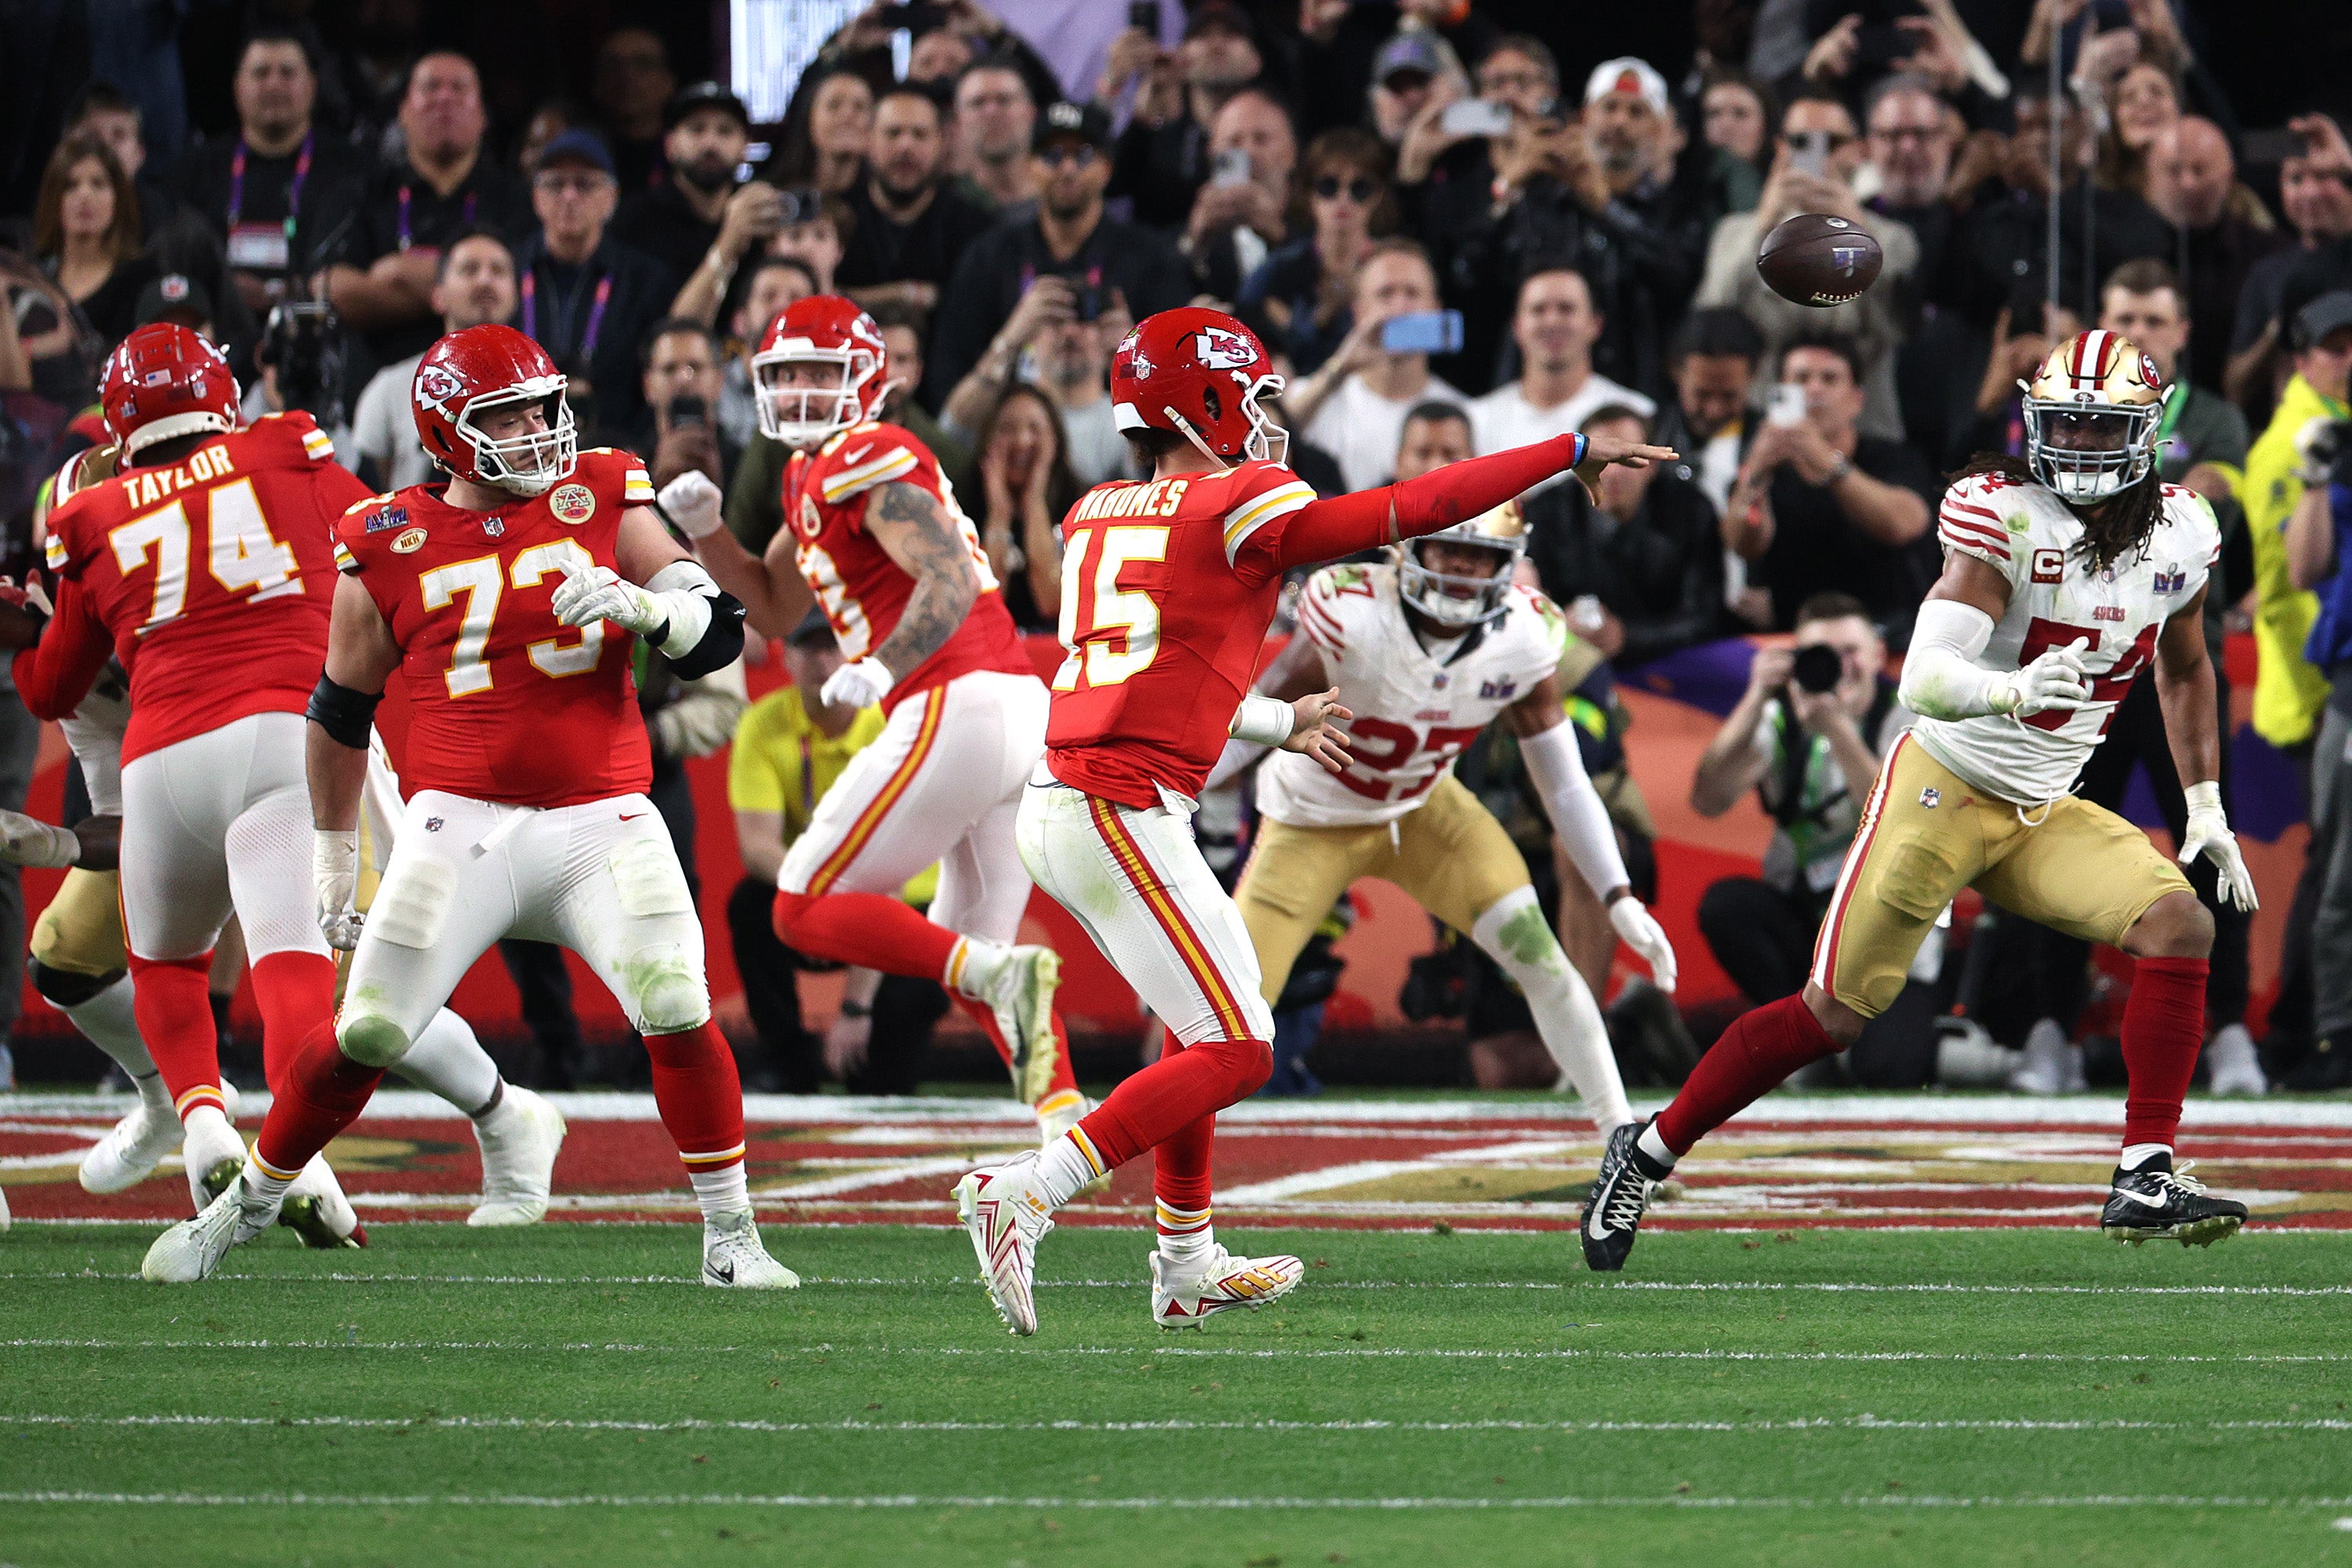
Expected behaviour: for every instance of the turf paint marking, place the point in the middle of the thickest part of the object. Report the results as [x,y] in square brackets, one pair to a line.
[748,1500]
[557,1424]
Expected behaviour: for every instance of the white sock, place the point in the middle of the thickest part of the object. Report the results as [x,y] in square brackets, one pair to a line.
[107,1021]
[204,1128]
[724,1191]
[447,1059]
[2135,1155]
[260,1184]
[1065,1165]
[1652,1145]
[972,966]
[1185,1235]
[1513,933]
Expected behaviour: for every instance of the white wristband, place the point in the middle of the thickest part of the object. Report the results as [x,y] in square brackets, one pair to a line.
[2206,796]
[1267,721]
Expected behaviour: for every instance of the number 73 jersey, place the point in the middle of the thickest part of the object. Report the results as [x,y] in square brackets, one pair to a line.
[506,703]
[2056,598]
[212,576]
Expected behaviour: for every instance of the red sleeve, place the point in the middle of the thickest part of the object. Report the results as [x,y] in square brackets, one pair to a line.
[55,674]
[1327,529]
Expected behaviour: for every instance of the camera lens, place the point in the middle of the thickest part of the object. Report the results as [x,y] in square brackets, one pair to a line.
[1818,667]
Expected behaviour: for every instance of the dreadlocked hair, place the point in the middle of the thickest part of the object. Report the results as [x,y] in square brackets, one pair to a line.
[2124,521]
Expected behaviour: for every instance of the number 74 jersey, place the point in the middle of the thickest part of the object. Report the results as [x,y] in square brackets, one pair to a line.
[506,703]
[2056,598]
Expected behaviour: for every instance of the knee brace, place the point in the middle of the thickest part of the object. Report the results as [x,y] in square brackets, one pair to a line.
[63,988]
[370,1038]
[666,989]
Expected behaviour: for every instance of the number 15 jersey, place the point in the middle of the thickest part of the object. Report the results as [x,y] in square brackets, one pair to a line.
[2056,598]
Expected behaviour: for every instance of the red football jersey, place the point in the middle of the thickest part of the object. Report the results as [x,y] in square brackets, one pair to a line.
[506,702]
[864,591]
[214,575]
[1167,587]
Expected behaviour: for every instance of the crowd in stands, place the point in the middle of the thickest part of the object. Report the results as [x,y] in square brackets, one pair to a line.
[1455,236]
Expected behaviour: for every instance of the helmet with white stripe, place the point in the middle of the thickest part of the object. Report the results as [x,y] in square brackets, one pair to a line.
[1455,598]
[2091,414]
[841,340]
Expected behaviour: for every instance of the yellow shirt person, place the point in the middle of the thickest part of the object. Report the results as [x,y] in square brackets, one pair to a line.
[783,763]
[2288,691]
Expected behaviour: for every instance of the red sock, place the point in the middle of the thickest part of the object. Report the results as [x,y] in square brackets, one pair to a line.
[699,1096]
[2164,1028]
[1180,1171]
[296,992]
[173,1006]
[317,1093]
[1184,1086]
[981,1013]
[866,930]
[1762,1046]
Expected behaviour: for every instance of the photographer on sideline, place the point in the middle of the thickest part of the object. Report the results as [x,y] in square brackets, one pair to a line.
[1806,736]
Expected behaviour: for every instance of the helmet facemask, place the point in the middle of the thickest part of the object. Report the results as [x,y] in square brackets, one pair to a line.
[1267,442]
[536,462]
[1451,599]
[800,416]
[2087,451]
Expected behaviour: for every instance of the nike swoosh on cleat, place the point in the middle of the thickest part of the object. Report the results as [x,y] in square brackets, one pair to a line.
[2137,1197]
[724,1276]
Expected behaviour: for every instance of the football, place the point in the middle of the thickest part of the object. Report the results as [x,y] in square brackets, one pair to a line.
[1814,259]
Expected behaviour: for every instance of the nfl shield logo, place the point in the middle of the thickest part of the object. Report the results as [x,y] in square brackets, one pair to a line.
[495,527]
[1931,797]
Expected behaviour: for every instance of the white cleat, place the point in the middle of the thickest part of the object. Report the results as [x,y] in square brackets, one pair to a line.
[213,1154]
[734,1256]
[192,1248]
[1005,1211]
[519,1142]
[2052,1064]
[128,1155]
[316,1210]
[1183,1293]
[1020,994]
[1052,1124]
[2235,1068]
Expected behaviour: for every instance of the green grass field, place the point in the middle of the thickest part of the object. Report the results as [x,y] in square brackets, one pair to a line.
[567,1395]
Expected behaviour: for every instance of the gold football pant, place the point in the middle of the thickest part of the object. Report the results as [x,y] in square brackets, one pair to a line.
[80,932]
[2074,866]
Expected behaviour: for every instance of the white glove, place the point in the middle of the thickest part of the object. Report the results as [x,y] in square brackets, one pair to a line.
[2053,680]
[2208,835]
[691,503]
[859,685]
[1645,936]
[592,594]
[29,841]
[335,870]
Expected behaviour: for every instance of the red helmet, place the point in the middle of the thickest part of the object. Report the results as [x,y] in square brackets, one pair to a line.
[1198,372]
[164,381]
[469,374]
[821,330]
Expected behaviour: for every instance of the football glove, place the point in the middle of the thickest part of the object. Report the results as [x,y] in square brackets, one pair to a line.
[592,594]
[691,503]
[2053,680]
[858,685]
[335,870]
[1646,937]
[28,841]
[2208,835]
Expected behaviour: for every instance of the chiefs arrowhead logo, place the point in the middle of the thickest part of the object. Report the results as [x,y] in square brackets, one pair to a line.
[437,387]
[1221,350]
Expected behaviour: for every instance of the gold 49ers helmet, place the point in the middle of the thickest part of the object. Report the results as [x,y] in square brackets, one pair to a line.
[2091,414]
[1454,599]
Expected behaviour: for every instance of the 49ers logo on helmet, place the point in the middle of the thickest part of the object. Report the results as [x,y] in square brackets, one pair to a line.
[1221,350]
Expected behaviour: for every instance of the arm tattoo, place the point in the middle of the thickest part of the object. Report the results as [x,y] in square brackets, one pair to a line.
[935,554]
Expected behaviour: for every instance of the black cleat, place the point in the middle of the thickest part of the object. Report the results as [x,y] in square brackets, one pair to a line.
[1620,1192]
[2157,1203]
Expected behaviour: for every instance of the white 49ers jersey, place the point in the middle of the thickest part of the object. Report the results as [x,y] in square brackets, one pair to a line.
[2055,598]
[1414,710]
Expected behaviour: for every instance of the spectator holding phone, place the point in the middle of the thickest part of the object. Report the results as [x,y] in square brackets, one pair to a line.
[1243,213]
[1354,407]
[681,384]
[1820,506]
[1070,236]
[909,223]
[1163,157]
[1554,327]
[681,221]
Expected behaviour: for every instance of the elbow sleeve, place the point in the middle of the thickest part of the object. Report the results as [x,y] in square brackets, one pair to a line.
[705,631]
[1941,676]
[344,714]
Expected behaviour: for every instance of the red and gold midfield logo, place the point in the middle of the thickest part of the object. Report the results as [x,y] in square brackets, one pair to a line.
[574,504]
[409,542]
